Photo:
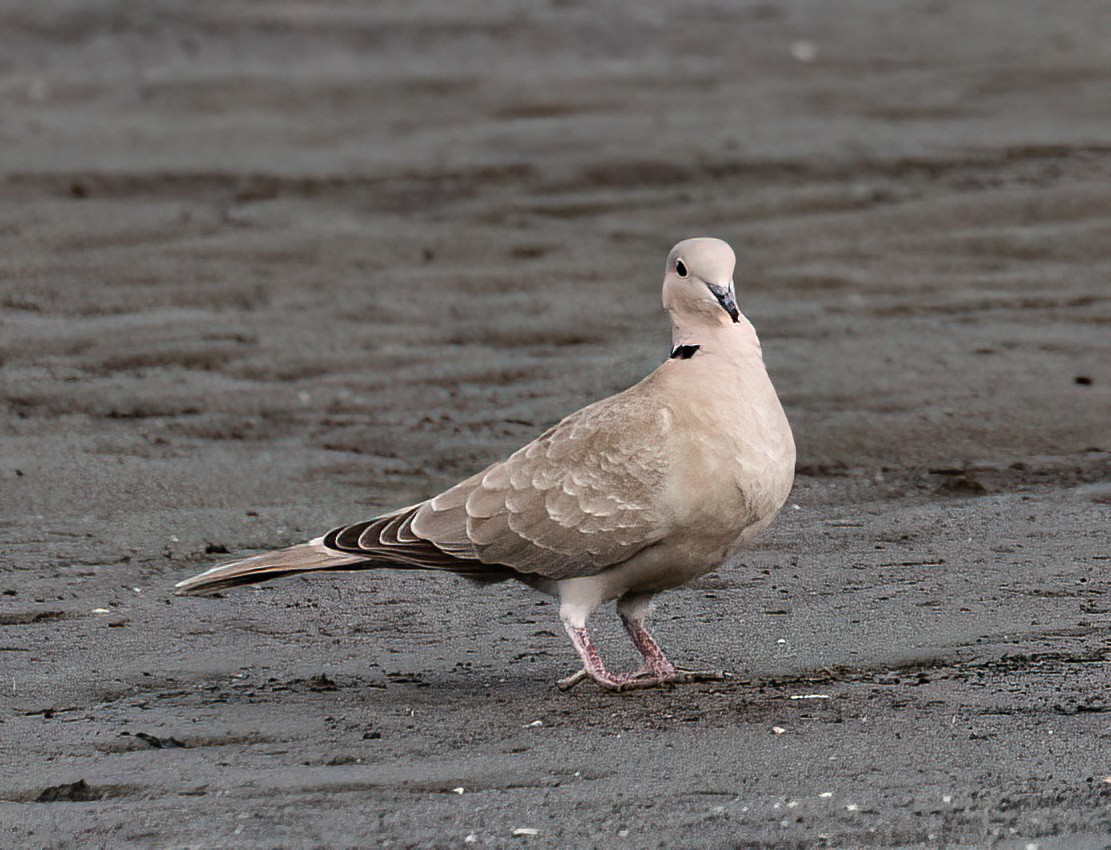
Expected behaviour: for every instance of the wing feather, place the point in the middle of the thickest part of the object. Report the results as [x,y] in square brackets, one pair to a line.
[581,497]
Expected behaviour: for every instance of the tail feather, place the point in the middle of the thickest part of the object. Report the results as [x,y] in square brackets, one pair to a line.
[303,558]
[383,542]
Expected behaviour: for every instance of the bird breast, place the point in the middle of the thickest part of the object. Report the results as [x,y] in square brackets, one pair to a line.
[735,465]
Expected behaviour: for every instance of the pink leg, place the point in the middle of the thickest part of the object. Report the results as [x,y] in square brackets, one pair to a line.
[655,662]
[593,668]
[656,672]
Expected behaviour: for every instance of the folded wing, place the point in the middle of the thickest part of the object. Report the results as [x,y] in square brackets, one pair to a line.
[581,497]
[585,495]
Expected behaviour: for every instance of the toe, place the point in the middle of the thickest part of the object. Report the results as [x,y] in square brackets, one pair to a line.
[572,680]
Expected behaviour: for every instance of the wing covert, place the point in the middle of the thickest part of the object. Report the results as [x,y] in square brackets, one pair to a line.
[583,496]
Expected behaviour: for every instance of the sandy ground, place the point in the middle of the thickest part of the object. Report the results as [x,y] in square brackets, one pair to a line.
[268,268]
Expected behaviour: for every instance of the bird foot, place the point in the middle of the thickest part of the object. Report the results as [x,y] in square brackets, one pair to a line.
[642,679]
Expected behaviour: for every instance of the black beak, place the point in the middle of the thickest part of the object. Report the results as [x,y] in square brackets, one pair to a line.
[726,300]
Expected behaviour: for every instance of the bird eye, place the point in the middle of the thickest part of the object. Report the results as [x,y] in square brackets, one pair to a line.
[680,268]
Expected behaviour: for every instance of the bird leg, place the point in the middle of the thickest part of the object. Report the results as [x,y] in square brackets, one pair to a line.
[655,662]
[593,668]
[656,672]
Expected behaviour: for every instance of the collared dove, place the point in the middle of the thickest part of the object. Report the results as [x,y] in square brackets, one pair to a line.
[631,495]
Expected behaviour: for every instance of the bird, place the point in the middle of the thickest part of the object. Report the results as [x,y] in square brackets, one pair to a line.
[632,495]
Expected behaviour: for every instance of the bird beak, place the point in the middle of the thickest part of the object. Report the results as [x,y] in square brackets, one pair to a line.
[724,295]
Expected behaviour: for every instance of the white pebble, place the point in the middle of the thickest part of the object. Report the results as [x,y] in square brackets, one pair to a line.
[804,51]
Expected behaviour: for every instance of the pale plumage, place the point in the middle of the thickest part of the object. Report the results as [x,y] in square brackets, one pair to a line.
[629,496]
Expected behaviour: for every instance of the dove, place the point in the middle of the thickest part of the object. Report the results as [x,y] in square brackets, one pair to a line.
[630,496]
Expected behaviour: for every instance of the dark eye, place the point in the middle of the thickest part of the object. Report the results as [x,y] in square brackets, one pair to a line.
[680,268]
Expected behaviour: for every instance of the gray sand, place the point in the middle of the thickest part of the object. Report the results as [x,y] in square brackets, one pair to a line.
[265,269]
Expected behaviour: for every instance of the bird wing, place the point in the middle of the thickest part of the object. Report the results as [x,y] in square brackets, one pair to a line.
[586,494]
[583,496]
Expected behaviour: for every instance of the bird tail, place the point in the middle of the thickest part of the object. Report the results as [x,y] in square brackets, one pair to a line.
[302,558]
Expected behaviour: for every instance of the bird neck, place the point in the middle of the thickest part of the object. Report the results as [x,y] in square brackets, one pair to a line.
[735,340]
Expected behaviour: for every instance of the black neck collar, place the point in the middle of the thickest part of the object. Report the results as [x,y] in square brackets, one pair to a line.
[684,352]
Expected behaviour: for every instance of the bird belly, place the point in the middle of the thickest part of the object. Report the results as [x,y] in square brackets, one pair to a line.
[652,570]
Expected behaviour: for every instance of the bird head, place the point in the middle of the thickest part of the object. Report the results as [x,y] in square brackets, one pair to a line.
[698,282]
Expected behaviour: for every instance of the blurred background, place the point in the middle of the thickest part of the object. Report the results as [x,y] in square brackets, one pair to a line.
[342,220]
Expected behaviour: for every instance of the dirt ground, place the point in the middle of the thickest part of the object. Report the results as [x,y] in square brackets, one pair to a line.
[270,268]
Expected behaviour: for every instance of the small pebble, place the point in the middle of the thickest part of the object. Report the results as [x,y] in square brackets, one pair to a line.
[804,51]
